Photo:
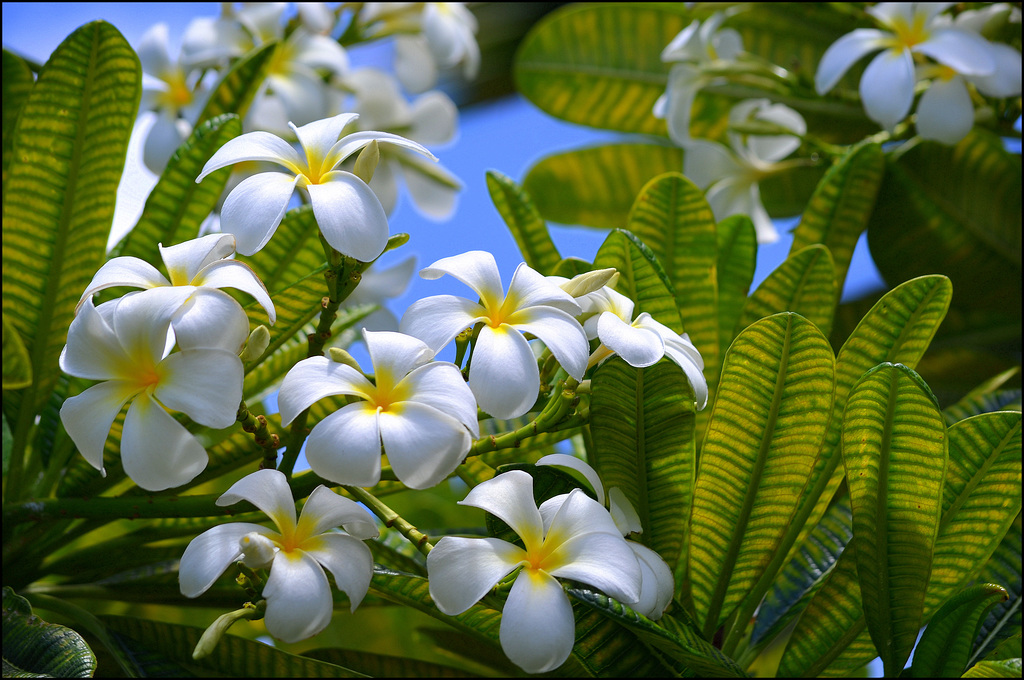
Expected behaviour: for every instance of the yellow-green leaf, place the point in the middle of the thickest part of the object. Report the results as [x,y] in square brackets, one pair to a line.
[17,83]
[641,277]
[737,257]
[1011,668]
[525,223]
[804,283]
[947,641]
[1004,567]
[36,649]
[238,87]
[16,365]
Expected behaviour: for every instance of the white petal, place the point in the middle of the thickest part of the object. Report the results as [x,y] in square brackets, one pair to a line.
[124,271]
[440,385]
[965,52]
[460,570]
[385,185]
[887,87]
[509,497]
[141,319]
[88,416]
[299,603]
[658,585]
[379,284]
[945,112]
[773,148]
[844,53]
[205,384]
[423,444]
[320,51]
[211,319]
[302,95]
[433,189]
[345,446]
[562,334]
[637,346]
[312,379]
[601,560]
[325,510]
[348,559]
[93,351]
[350,215]
[436,320]
[1005,80]
[680,48]
[153,52]
[503,374]
[435,118]
[268,490]
[623,513]
[684,83]
[414,65]
[238,275]
[477,269]
[707,162]
[318,137]
[395,354]
[537,626]
[157,452]
[254,209]
[529,288]
[574,463]
[210,553]
[255,146]
[352,143]
[185,260]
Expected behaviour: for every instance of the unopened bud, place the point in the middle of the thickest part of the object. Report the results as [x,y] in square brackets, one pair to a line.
[367,161]
[257,550]
[256,345]
[338,355]
[588,282]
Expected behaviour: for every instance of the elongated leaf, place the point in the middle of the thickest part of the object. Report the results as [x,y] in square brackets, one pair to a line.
[737,257]
[69,150]
[1004,567]
[1011,668]
[946,643]
[767,424]
[527,226]
[237,88]
[17,366]
[17,83]
[839,210]
[641,277]
[177,206]
[384,666]
[985,398]
[35,648]
[804,283]
[894,451]
[597,186]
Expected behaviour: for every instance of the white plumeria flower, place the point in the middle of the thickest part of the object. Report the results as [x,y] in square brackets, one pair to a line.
[697,44]
[730,176]
[299,603]
[419,410]
[447,39]
[347,211]
[887,86]
[503,372]
[170,92]
[200,263]
[572,537]
[640,342]
[124,343]
[657,585]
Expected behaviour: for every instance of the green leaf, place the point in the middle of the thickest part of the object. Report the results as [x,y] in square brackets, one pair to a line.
[177,206]
[946,643]
[1004,567]
[17,366]
[525,223]
[766,426]
[1011,668]
[985,398]
[737,258]
[17,83]
[804,283]
[642,422]
[35,648]
[237,88]
[894,451]
[839,210]
[641,277]
[385,666]
[597,186]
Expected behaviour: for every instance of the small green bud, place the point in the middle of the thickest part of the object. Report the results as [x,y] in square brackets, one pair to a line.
[212,635]
[367,161]
[588,282]
[256,345]
[340,356]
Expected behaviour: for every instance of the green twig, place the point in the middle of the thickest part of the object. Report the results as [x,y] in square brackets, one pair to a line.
[391,518]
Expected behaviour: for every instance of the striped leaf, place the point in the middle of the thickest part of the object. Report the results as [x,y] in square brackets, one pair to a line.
[946,644]
[237,88]
[385,666]
[34,648]
[16,363]
[642,423]
[1004,568]
[804,283]
[737,257]
[597,186]
[894,451]
[17,83]
[525,223]
[177,205]
[1010,668]
[986,397]
[839,210]
[641,277]
[672,217]
[765,429]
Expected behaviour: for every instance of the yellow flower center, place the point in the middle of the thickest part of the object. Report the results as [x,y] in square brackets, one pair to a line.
[387,394]
[177,95]
[909,34]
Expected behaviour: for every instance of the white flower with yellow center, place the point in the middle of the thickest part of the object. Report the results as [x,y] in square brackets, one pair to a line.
[420,411]
[299,603]
[503,372]
[572,537]
[349,214]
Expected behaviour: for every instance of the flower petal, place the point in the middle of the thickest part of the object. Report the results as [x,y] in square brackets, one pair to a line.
[460,571]
[537,627]
[154,54]
[312,379]
[705,163]
[238,275]
[124,271]
[325,510]
[205,384]
[945,112]
[254,209]
[352,143]
[963,51]
[441,386]
[887,87]
[395,354]
[436,320]
[92,350]
[562,334]
[350,215]
[503,374]
[299,603]
[435,118]
[844,53]
[623,513]
[210,554]
[348,559]
[157,452]
[601,560]
[423,444]
[345,446]
[509,497]
[1005,80]
[318,137]
[268,490]
[433,190]
[657,586]
[580,466]
[639,347]
[477,269]
[414,65]
[141,320]
[255,146]
[88,416]
[185,260]
[210,319]
[529,288]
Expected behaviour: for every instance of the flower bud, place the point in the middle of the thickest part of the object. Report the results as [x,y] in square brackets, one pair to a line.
[367,161]
[257,550]
[588,282]
[256,345]
[338,355]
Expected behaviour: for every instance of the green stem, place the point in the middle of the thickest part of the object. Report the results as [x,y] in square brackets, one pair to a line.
[257,426]
[391,518]
[550,419]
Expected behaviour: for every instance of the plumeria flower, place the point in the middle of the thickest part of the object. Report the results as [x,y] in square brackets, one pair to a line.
[730,176]
[657,584]
[640,342]
[419,410]
[124,343]
[572,537]
[696,45]
[887,86]
[299,603]
[349,214]
[200,263]
[503,372]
